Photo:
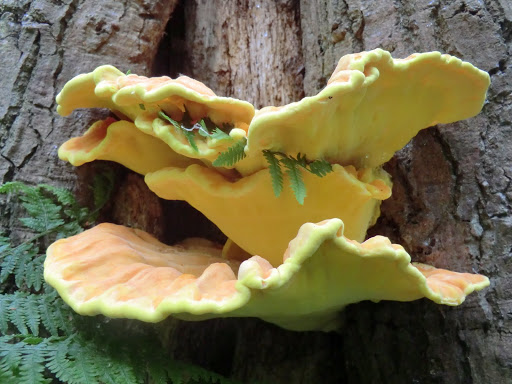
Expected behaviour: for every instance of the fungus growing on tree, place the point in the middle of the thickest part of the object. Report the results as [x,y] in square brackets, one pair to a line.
[264,179]
[122,272]
[249,213]
[178,112]
[123,143]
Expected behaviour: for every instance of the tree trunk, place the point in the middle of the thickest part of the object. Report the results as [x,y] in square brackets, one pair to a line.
[452,184]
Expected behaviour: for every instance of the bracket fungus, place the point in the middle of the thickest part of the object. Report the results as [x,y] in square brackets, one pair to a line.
[121,142]
[155,105]
[295,253]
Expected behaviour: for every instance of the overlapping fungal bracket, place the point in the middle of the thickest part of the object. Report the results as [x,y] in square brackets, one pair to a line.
[121,142]
[371,107]
[247,211]
[140,100]
[122,272]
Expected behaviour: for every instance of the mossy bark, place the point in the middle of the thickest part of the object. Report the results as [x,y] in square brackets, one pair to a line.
[451,203]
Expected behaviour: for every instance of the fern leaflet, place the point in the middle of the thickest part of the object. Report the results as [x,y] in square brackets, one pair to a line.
[232,155]
[10,356]
[30,308]
[163,116]
[31,277]
[32,365]
[293,165]
[12,258]
[295,176]
[191,139]
[16,313]
[189,134]
[275,172]
[320,168]
[4,302]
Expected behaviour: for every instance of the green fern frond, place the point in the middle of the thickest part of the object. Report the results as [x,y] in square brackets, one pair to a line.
[30,308]
[10,356]
[47,207]
[293,164]
[64,196]
[58,362]
[275,172]
[24,263]
[32,364]
[49,340]
[188,129]
[232,155]
[295,176]
[32,276]
[82,357]
[55,315]
[11,258]
[157,372]
[180,372]
[74,214]
[14,187]
[4,303]
[22,313]
[16,312]
[27,264]
[300,160]
[44,215]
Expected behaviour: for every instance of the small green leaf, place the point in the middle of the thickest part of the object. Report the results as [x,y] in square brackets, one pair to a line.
[162,115]
[220,135]
[128,72]
[189,134]
[275,172]
[232,155]
[295,176]
[191,139]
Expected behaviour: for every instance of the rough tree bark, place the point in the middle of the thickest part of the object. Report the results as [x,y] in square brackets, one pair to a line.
[451,203]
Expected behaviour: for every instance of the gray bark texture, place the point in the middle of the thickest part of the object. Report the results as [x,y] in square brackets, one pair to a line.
[451,203]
